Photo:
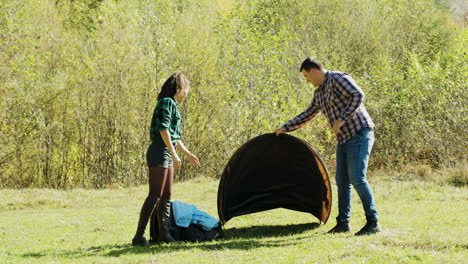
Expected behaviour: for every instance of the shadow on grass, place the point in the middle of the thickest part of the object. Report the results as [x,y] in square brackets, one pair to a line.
[234,238]
[268,231]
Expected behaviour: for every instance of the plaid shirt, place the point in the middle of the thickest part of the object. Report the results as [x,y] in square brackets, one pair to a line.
[338,98]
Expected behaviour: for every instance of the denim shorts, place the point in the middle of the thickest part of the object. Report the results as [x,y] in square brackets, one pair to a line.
[158,155]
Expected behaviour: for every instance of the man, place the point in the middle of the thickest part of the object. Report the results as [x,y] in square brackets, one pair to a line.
[340,99]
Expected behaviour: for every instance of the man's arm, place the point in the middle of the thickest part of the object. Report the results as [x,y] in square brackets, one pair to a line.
[300,120]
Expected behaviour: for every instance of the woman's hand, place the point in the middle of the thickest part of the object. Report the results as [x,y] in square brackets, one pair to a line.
[193,159]
[176,162]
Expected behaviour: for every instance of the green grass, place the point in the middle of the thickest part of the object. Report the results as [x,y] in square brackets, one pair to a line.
[423,222]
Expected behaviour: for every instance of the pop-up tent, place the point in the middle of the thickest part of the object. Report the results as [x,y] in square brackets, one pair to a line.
[269,172]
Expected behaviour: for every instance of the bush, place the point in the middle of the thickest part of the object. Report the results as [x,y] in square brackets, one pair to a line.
[79,81]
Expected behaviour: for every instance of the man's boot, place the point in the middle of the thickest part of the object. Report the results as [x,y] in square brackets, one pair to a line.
[371,227]
[341,227]
[145,214]
[164,214]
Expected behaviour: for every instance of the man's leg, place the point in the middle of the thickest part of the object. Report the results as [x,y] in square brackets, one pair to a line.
[358,150]
[344,193]
[343,184]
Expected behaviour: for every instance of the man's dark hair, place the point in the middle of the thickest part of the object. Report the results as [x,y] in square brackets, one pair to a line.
[311,63]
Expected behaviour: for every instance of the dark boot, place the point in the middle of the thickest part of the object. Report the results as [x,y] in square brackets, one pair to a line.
[371,227]
[341,227]
[145,214]
[164,214]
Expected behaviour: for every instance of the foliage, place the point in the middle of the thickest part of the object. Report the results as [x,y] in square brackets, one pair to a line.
[79,80]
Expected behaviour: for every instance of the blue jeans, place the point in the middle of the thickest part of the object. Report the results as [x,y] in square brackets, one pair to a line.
[351,168]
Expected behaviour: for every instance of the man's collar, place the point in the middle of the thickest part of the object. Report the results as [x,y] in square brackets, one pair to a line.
[327,75]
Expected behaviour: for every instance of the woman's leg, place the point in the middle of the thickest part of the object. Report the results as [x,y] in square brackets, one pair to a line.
[157,179]
[167,190]
[164,208]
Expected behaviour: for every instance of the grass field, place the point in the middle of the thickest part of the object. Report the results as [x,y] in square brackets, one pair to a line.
[424,221]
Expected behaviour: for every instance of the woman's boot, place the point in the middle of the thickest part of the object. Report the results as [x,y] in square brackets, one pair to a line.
[145,214]
[164,214]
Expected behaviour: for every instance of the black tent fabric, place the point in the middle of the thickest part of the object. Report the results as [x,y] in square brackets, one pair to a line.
[269,172]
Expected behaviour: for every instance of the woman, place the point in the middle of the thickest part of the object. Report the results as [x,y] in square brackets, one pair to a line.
[162,157]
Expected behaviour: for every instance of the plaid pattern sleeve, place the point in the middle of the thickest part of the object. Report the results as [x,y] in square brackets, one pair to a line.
[346,85]
[304,117]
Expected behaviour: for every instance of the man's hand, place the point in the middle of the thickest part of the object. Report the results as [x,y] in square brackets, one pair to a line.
[337,126]
[280,130]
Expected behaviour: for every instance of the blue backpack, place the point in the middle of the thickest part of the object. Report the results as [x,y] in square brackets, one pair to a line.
[193,232]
